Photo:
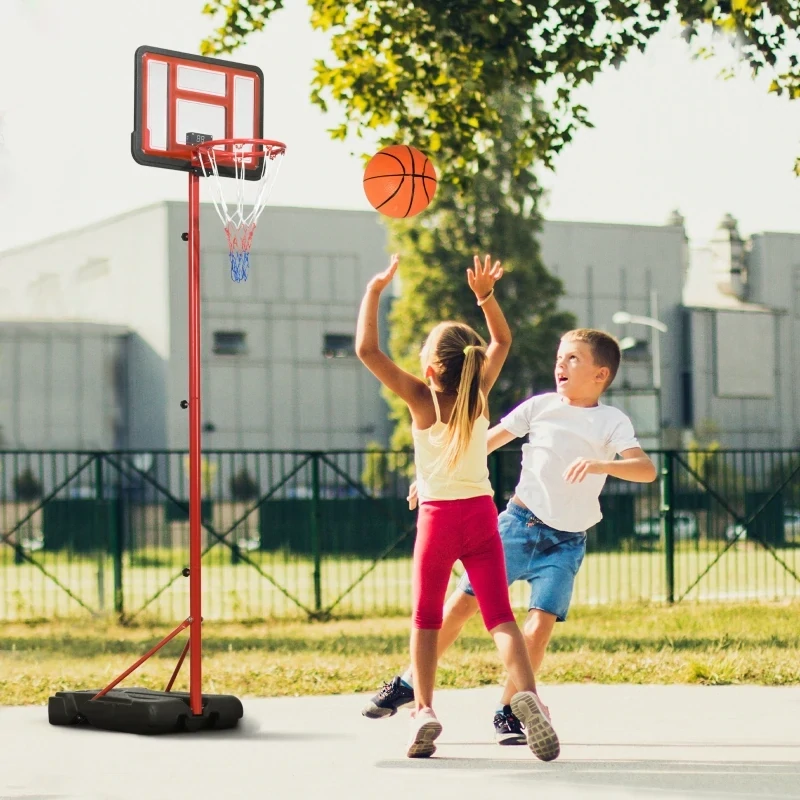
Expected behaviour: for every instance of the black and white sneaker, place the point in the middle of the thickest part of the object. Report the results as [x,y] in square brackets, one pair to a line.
[507,728]
[392,696]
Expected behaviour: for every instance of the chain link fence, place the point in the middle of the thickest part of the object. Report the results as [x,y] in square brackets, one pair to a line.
[320,534]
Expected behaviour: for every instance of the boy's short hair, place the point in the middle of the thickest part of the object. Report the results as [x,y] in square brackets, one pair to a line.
[605,348]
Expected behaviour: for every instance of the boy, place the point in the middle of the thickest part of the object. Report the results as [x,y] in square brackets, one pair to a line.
[572,443]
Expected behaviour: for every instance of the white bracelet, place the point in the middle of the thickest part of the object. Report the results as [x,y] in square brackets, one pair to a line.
[485,299]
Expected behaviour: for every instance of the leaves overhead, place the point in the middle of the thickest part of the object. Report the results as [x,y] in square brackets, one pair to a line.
[425,71]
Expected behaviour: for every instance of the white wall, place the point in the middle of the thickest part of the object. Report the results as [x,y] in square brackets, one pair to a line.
[113,272]
[607,268]
[774,278]
[63,386]
[146,392]
[743,421]
[308,271]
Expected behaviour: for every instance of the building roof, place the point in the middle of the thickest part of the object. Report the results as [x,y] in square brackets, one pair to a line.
[701,288]
[49,327]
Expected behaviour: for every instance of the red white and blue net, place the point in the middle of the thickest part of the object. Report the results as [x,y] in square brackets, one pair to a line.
[250,168]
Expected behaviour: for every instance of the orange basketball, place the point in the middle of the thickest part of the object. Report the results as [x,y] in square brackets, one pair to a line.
[399,181]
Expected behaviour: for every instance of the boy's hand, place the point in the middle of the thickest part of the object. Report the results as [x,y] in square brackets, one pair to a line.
[580,468]
[412,496]
[383,279]
[482,279]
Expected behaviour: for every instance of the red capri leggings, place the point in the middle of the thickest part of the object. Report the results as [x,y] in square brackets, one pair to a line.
[449,530]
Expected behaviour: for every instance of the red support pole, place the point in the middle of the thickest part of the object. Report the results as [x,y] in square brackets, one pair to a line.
[178,666]
[195,484]
[144,658]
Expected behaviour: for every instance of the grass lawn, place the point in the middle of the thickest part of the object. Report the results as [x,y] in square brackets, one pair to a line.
[278,585]
[688,643]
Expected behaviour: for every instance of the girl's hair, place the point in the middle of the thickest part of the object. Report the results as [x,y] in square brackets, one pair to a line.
[459,355]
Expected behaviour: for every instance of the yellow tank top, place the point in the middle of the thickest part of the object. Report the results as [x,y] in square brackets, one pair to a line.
[470,478]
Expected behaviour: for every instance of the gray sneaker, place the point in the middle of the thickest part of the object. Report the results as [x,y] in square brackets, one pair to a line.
[533,714]
[425,728]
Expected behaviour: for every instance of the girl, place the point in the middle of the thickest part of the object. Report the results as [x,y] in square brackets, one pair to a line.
[457,518]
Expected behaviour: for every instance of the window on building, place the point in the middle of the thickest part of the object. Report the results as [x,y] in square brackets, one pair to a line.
[230,343]
[338,345]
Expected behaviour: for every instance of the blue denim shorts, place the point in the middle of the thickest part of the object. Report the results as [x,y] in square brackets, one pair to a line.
[544,557]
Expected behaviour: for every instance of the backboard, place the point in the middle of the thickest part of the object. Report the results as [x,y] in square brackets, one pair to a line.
[181,100]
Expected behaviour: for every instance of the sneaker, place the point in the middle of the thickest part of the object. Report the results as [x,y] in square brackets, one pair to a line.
[535,718]
[507,728]
[392,696]
[424,729]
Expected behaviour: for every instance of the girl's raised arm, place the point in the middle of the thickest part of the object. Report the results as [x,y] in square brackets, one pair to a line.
[481,280]
[402,383]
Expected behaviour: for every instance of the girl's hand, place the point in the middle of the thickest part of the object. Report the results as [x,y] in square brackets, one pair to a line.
[383,279]
[412,496]
[482,279]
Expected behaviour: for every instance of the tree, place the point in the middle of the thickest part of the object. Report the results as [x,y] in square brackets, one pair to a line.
[426,71]
[27,487]
[208,471]
[496,214]
[377,469]
[704,450]
[243,486]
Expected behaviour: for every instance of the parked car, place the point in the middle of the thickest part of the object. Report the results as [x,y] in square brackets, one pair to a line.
[252,543]
[685,527]
[791,528]
[32,543]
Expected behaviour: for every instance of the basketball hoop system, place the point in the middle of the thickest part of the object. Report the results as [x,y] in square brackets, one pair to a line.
[202,116]
[243,161]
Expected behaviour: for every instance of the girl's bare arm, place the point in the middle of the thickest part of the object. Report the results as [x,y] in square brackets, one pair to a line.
[402,383]
[482,280]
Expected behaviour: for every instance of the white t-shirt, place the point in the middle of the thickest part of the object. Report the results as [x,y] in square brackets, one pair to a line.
[559,433]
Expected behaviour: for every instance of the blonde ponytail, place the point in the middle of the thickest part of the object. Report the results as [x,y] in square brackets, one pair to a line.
[459,355]
[468,406]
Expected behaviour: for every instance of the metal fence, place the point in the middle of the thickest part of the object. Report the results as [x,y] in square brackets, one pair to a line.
[320,534]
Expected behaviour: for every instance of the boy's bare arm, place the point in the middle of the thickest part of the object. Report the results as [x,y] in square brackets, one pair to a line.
[634,465]
[497,437]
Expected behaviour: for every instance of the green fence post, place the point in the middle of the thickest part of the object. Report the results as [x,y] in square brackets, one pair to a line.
[316,526]
[100,541]
[117,548]
[668,522]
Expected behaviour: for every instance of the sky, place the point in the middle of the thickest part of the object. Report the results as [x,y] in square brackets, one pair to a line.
[669,134]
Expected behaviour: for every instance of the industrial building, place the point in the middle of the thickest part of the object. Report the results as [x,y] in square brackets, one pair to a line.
[93,338]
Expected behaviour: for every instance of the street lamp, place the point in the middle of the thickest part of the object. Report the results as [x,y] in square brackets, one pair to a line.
[624,318]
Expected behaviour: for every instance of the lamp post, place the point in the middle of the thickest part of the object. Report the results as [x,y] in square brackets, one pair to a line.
[624,318]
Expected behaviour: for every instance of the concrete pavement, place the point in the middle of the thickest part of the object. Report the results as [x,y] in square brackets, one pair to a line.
[617,742]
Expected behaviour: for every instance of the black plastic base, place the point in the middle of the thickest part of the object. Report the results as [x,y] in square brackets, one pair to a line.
[143,711]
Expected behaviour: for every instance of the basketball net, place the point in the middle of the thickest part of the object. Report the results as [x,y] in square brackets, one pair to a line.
[253,168]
